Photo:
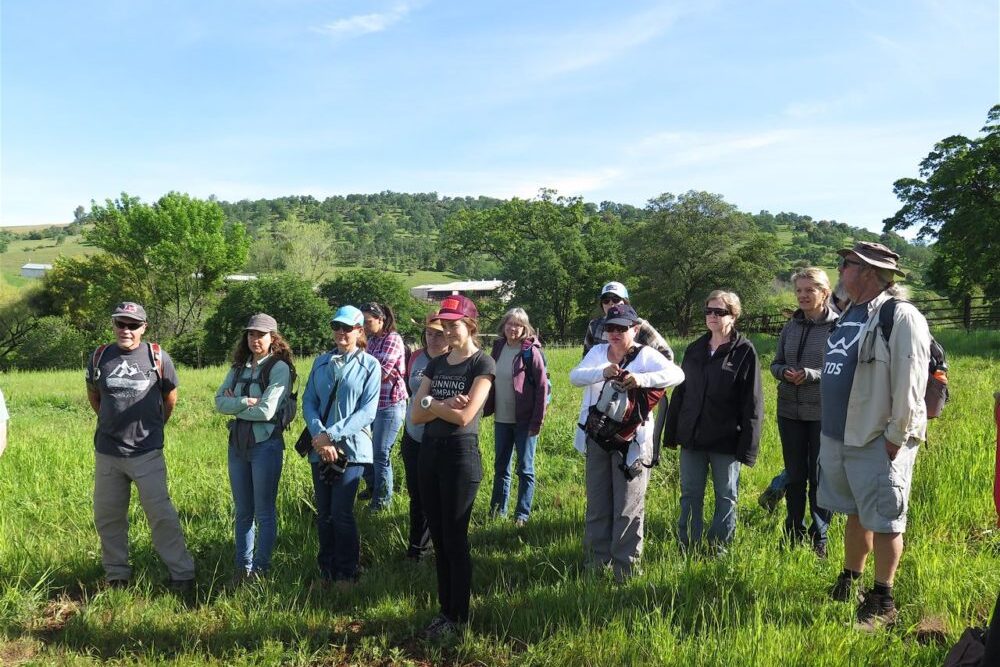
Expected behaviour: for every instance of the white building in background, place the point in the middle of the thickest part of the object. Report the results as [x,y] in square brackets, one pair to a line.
[470,288]
[35,270]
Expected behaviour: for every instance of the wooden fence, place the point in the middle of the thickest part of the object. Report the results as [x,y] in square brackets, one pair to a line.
[971,313]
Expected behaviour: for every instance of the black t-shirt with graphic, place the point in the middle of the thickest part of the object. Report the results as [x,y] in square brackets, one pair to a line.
[130,419]
[449,380]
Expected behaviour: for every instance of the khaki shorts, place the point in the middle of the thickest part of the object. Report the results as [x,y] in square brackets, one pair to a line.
[863,481]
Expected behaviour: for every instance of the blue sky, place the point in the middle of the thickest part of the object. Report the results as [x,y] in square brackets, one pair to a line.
[804,106]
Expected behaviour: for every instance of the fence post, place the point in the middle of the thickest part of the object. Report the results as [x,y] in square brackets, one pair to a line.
[967,311]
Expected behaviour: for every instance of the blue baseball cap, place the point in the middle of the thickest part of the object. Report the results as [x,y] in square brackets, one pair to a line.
[348,315]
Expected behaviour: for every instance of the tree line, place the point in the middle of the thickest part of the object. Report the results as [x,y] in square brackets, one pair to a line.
[553,252]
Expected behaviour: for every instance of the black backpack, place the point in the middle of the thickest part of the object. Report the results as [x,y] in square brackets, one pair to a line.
[285,414]
[936,394]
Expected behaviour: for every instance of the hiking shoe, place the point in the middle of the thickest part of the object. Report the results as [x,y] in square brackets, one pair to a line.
[116,583]
[876,611]
[844,589]
[366,494]
[438,627]
[520,523]
[819,548]
[181,586]
[770,498]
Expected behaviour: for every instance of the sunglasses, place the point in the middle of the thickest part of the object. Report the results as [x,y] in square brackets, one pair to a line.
[843,263]
[611,298]
[720,312]
[128,324]
[340,326]
[615,328]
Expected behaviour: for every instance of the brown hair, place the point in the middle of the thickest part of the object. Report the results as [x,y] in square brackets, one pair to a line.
[279,348]
[731,299]
[473,328]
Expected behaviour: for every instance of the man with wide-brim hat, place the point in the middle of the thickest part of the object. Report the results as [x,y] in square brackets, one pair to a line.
[873,421]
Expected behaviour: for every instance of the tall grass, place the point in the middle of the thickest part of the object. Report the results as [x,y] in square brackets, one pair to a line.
[533,603]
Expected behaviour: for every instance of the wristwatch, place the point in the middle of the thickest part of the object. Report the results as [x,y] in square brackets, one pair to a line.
[426,401]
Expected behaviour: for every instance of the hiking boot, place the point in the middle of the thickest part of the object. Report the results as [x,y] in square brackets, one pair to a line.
[366,494]
[520,523]
[844,589]
[116,583]
[819,548]
[876,611]
[770,498]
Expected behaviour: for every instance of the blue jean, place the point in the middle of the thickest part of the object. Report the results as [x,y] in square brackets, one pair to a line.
[800,449]
[339,543]
[725,480]
[378,475]
[508,437]
[253,478]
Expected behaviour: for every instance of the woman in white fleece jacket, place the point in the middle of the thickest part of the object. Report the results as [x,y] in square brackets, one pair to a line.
[613,528]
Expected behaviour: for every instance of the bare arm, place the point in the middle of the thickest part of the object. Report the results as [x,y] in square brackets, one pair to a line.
[94,397]
[3,436]
[169,401]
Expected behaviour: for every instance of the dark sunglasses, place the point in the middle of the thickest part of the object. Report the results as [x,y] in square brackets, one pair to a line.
[340,326]
[611,298]
[721,312]
[615,328]
[127,324]
[843,263]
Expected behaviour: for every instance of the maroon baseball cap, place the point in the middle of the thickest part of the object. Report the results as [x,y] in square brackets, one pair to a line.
[455,307]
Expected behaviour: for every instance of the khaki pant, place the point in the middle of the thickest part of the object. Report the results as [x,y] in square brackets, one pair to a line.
[113,477]
[616,509]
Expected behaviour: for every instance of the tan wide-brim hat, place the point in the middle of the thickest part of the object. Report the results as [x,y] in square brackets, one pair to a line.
[875,254]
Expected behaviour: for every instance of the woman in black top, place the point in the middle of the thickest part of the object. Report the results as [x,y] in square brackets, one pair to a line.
[715,416]
[450,402]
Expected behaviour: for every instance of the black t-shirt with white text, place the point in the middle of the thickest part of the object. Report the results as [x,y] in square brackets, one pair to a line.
[130,417]
[449,380]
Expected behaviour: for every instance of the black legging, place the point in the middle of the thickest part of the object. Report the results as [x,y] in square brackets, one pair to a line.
[992,655]
[450,471]
[420,534]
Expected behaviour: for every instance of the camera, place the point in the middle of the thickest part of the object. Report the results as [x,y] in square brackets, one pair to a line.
[331,471]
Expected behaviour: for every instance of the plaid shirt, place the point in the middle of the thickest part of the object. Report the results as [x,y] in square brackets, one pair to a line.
[389,351]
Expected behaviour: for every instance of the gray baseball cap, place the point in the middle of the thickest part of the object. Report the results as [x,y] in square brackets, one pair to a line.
[130,310]
[261,322]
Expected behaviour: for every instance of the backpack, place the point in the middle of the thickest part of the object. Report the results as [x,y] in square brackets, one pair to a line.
[285,414]
[155,358]
[527,356]
[936,394]
[614,419]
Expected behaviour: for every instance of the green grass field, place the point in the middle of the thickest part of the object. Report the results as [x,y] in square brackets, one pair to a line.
[532,604]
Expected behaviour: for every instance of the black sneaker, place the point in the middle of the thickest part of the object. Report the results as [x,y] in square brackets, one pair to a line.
[181,586]
[116,583]
[366,494]
[844,589]
[876,611]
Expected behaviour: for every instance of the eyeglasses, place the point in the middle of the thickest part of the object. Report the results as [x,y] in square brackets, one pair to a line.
[131,325]
[718,312]
[843,263]
[340,326]
[615,328]
[611,298]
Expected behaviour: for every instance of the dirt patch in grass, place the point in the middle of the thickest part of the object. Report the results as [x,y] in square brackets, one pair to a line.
[17,651]
[56,614]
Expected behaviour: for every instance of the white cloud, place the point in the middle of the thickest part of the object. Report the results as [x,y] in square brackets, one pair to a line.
[363,24]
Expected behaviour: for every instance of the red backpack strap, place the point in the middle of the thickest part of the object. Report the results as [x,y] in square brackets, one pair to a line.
[156,356]
[95,362]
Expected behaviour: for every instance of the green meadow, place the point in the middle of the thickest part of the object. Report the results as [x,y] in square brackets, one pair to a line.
[533,604]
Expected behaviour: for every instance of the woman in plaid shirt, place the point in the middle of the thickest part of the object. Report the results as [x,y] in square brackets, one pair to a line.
[387,346]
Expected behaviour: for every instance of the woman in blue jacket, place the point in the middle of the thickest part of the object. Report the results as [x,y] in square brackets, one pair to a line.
[339,405]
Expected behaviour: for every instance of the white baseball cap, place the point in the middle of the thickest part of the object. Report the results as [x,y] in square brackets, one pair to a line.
[615,288]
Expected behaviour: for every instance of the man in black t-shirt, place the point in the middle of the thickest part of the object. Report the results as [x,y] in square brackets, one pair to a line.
[132,387]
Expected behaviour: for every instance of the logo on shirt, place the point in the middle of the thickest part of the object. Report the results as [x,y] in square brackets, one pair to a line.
[127,376]
[844,337]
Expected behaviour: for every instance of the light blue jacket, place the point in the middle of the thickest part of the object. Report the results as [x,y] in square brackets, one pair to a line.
[353,409]
[270,400]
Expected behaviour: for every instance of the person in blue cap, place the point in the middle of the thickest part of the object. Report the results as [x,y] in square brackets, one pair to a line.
[339,404]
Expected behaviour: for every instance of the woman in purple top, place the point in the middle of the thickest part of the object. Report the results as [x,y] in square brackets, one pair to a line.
[517,402]
[387,346]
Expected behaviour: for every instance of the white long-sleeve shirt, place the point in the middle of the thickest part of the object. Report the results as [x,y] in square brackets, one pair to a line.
[651,370]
